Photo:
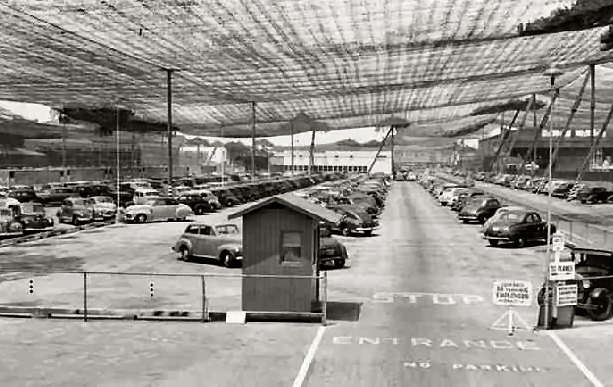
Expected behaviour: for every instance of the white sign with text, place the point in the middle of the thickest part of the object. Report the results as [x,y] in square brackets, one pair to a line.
[512,293]
[561,271]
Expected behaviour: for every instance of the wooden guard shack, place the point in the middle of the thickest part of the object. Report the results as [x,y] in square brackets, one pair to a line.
[281,238]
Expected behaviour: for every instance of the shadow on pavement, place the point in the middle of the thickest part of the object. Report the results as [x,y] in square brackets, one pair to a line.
[343,311]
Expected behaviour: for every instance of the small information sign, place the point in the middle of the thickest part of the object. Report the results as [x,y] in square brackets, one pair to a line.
[557,242]
[512,293]
[566,295]
[561,271]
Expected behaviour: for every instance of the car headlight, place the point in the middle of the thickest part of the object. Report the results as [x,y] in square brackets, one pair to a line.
[586,284]
[505,228]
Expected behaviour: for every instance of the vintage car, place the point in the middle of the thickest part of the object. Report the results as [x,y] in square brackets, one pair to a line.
[53,195]
[562,190]
[518,227]
[222,242]
[226,197]
[594,272]
[76,210]
[23,194]
[353,221]
[479,209]
[104,208]
[162,208]
[9,226]
[502,210]
[464,197]
[145,195]
[593,195]
[331,252]
[33,218]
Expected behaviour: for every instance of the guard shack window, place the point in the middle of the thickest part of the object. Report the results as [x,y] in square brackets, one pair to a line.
[291,248]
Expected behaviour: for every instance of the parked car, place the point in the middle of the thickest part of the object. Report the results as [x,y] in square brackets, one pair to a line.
[162,208]
[226,197]
[76,210]
[593,195]
[562,190]
[104,208]
[502,210]
[594,272]
[464,197]
[33,218]
[9,226]
[24,194]
[145,195]
[222,242]
[518,227]
[199,204]
[353,222]
[56,195]
[479,209]
[447,194]
[331,251]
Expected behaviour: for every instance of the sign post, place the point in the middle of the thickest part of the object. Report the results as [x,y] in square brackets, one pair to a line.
[511,293]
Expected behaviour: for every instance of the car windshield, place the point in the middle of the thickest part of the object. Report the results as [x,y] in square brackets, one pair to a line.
[81,202]
[32,208]
[227,229]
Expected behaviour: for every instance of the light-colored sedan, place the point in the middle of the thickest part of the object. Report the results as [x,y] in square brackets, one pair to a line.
[157,209]
[222,242]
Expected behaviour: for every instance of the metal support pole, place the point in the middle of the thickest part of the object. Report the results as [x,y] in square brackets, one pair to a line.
[588,157]
[504,136]
[392,146]
[324,306]
[85,296]
[538,132]
[534,150]
[205,307]
[117,162]
[379,150]
[311,150]
[592,100]
[252,141]
[169,101]
[64,151]
[291,131]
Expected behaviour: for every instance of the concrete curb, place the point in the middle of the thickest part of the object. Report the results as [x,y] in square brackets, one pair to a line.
[156,315]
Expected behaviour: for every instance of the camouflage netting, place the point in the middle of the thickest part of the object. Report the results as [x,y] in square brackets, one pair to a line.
[315,64]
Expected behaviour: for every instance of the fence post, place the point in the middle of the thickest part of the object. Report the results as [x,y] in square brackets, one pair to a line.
[205,309]
[324,307]
[85,296]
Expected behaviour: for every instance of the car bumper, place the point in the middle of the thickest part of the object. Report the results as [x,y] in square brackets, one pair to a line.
[11,233]
[467,217]
[497,238]
[366,229]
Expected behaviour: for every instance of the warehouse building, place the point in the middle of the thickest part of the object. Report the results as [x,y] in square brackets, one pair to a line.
[333,161]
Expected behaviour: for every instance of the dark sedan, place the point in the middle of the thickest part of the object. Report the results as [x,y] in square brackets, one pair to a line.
[518,227]
[479,209]
[593,195]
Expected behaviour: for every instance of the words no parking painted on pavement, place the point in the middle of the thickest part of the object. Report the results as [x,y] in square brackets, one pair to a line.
[512,293]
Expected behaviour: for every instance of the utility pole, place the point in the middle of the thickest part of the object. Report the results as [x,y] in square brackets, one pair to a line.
[252,141]
[169,101]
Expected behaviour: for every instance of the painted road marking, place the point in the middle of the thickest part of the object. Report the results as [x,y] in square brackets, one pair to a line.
[308,359]
[436,343]
[427,365]
[434,298]
[578,363]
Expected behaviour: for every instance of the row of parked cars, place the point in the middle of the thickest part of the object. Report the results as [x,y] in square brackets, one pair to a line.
[584,192]
[359,200]
[23,208]
[500,223]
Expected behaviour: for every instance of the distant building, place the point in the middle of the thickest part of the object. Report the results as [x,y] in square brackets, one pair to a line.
[333,161]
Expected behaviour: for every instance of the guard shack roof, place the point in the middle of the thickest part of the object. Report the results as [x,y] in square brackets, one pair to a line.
[294,202]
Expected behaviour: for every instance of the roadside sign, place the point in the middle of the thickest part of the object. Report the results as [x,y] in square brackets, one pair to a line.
[512,293]
[566,295]
[557,242]
[561,271]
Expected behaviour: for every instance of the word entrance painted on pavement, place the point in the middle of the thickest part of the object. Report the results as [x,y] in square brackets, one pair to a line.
[445,342]
[512,293]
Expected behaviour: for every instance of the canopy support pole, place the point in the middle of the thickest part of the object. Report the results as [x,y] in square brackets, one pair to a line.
[392,146]
[537,133]
[64,151]
[117,161]
[311,150]
[573,111]
[534,126]
[379,150]
[592,100]
[169,101]
[504,135]
[509,148]
[291,132]
[590,154]
[252,141]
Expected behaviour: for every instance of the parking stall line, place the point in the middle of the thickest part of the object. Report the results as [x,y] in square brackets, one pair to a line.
[308,359]
[573,358]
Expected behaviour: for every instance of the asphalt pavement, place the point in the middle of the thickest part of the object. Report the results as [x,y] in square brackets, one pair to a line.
[414,309]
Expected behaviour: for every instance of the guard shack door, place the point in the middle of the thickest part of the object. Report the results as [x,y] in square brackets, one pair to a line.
[279,242]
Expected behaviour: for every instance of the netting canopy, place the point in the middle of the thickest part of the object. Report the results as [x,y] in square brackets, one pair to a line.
[339,63]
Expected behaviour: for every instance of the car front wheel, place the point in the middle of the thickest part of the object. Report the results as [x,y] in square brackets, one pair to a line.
[228,259]
[183,253]
[493,242]
[141,218]
[600,308]
[520,242]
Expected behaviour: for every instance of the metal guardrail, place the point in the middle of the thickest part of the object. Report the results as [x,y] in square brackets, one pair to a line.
[10,309]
